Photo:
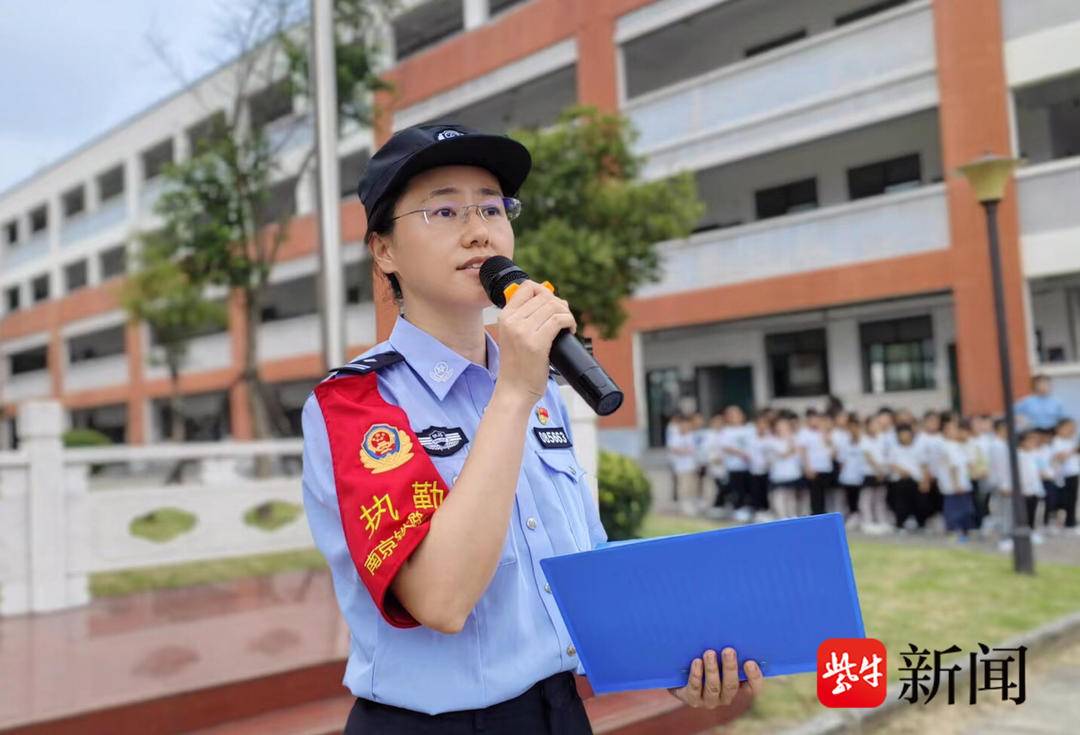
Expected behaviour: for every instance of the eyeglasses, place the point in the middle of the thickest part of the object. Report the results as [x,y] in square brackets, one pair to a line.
[450,214]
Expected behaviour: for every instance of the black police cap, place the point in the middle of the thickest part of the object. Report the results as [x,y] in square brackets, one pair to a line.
[420,147]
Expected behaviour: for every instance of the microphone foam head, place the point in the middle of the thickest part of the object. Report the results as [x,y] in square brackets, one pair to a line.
[496,273]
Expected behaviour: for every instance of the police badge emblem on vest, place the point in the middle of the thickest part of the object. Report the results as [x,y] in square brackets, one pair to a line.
[442,441]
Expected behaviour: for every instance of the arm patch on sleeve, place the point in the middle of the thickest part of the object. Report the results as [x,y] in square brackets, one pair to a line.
[387,486]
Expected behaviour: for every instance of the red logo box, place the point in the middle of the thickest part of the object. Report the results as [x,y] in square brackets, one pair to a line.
[852,672]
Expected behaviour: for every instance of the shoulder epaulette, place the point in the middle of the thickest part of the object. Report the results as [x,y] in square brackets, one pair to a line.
[365,365]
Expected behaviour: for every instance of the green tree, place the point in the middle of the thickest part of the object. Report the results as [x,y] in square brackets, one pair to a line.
[220,225]
[588,224]
[161,293]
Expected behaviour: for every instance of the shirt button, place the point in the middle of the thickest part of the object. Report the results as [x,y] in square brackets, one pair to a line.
[531,523]
[571,651]
[547,588]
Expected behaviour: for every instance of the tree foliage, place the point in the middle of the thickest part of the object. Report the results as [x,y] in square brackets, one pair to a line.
[588,224]
[220,223]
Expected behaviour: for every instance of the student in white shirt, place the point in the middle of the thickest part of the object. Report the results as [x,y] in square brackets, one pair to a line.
[1031,479]
[682,454]
[818,456]
[1065,450]
[928,441]
[1051,491]
[785,467]
[852,470]
[872,508]
[714,454]
[1000,481]
[906,478]
[759,468]
[735,443]
[982,437]
[840,441]
[954,479]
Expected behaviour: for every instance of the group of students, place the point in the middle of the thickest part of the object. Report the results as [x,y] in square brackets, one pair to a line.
[886,472]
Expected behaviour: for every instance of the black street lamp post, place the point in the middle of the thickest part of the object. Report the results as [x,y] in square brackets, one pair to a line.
[988,176]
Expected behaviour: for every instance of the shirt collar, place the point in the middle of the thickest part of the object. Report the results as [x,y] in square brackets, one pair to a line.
[436,364]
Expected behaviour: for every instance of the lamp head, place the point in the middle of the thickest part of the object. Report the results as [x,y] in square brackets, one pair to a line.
[988,175]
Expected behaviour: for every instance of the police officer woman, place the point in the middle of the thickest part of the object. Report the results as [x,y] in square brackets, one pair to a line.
[439,467]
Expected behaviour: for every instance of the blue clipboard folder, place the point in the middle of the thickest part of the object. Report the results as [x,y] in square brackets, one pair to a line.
[639,612]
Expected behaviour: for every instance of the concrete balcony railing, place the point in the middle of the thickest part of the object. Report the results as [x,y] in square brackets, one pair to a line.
[108,215]
[24,386]
[1049,219]
[880,67]
[881,227]
[210,352]
[289,337]
[99,372]
[1024,17]
[26,252]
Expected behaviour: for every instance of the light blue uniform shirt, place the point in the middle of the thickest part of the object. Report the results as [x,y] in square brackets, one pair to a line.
[1041,412]
[515,635]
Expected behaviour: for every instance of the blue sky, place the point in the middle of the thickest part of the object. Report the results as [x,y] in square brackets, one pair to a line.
[72,69]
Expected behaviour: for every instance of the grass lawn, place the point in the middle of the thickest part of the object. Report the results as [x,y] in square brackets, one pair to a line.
[933,597]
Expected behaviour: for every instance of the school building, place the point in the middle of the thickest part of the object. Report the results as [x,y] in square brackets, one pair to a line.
[839,254]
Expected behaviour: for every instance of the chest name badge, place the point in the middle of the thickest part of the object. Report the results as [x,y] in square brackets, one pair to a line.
[384,448]
[442,441]
[553,438]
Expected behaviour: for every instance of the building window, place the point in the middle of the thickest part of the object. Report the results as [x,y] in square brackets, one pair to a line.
[109,420]
[75,275]
[39,288]
[786,199]
[110,184]
[883,177]
[113,262]
[29,361]
[498,6]
[206,131]
[73,201]
[351,170]
[766,46]
[289,299]
[798,363]
[358,284]
[867,11]
[425,25]
[39,219]
[155,159]
[898,355]
[270,104]
[663,389]
[12,299]
[280,203]
[102,343]
[11,232]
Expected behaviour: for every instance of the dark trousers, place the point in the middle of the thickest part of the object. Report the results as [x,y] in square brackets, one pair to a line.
[903,494]
[819,485]
[1067,498]
[851,492]
[738,490]
[759,491]
[1053,501]
[959,510]
[550,707]
[1032,502]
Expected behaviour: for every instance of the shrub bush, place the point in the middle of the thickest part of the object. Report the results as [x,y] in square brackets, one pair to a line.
[625,495]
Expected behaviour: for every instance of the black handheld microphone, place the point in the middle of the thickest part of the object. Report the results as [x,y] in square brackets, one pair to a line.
[568,355]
